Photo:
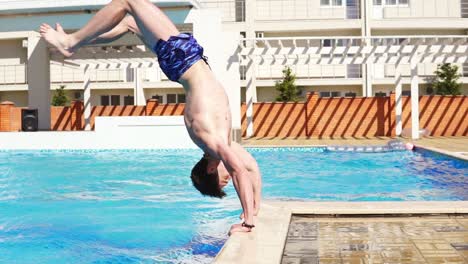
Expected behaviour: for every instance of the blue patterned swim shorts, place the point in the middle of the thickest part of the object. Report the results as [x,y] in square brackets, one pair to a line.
[178,54]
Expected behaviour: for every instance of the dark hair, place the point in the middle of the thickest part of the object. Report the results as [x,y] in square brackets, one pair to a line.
[206,183]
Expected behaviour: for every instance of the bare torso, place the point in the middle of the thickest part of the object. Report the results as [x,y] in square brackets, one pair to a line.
[207,113]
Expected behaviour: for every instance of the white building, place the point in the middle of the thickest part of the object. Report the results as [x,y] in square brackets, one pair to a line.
[334,18]
[328,24]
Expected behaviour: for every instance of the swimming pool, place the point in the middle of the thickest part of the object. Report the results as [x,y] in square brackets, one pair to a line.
[140,207]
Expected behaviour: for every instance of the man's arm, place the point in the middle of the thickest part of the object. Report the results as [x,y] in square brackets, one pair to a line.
[257,187]
[254,174]
[240,178]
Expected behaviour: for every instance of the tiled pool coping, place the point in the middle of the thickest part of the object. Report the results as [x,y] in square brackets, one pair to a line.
[266,243]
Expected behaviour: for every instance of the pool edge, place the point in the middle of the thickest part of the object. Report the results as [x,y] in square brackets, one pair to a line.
[266,243]
[443,152]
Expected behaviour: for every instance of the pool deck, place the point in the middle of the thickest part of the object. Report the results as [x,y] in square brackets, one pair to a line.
[355,232]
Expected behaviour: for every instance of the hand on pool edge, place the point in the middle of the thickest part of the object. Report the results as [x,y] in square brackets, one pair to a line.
[236,228]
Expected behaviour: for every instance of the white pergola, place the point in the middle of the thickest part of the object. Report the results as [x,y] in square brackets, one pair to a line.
[396,50]
[134,57]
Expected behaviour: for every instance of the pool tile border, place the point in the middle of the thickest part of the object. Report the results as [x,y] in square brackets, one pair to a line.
[266,243]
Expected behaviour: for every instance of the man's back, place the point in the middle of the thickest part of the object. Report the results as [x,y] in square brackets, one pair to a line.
[207,113]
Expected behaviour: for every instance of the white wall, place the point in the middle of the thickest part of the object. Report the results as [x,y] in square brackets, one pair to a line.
[111,133]
[424,69]
[12,52]
[426,9]
[296,9]
[275,32]
[301,71]
[12,62]
[59,73]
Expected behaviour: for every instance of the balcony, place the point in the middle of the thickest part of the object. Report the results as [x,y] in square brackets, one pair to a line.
[306,74]
[268,10]
[429,13]
[232,10]
[13,74]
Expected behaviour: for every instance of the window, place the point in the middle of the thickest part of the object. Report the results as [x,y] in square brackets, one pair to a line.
[350,94]
[159,98]
[380,94]
[104,100]
[335,94]
[331,2]
[243,72]
[181,98]
[171,98]
[77,95]
[324,94]
[406,93]
[115,99]
[391,2]
[327,43]
[129,100]
[336,42]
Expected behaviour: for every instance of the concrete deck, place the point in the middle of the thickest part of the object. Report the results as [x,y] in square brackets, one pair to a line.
[389,239]
[444,240]
[453,144]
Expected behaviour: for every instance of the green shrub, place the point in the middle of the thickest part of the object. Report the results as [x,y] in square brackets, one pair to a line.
[60,98]
[446,81]
[288,91]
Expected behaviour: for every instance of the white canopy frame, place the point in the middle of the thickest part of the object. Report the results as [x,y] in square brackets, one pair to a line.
[397,50]
[134,57]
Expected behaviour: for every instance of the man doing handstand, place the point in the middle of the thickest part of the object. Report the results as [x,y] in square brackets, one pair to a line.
[207,115]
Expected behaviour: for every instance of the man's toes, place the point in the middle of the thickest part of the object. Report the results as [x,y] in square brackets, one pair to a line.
[59,28]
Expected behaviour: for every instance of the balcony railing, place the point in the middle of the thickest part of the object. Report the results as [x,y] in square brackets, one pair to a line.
[13,74]
[388,9]
[309,71]
[63,74]
[232,10]
[267,10]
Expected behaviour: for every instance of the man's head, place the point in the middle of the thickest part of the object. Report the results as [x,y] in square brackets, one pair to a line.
[205,177]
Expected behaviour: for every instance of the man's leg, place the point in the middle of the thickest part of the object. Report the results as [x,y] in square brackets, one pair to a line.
[151,21]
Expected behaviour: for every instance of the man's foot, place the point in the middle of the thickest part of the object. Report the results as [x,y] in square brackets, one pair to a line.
[57,38]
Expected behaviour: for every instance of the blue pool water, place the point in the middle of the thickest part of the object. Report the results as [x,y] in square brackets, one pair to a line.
[140,207]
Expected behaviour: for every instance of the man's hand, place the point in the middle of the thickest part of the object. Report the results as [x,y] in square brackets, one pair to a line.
[239,228]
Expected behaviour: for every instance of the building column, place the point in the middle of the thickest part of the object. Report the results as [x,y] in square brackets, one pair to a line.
[366,69]
[414,99]
[398,100]
[250,11]
[38,72]
[138,92]
[87,98]
[250,94]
